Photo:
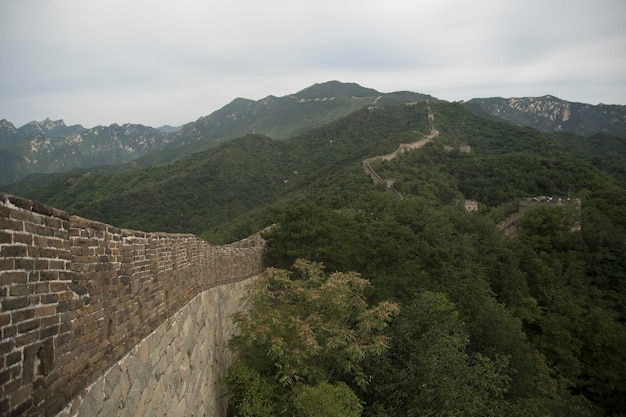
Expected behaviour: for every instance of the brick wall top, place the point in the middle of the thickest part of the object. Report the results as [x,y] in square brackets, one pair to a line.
[77,294]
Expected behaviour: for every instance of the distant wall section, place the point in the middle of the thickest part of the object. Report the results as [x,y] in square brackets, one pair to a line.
[78,295]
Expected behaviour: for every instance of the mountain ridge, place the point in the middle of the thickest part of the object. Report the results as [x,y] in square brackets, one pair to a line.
[59,148]
[276,117]
[551,114]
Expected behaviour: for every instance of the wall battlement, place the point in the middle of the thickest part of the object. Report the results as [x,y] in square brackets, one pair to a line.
[77,295]
[571,206]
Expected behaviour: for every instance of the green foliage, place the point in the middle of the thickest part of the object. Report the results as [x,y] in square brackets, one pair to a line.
[313,328]
[429,370]
[326,400]
[309,335]
[522,301]
[248,393]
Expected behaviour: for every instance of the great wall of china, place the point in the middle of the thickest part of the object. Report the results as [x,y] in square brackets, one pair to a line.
[509,225]
[571,206]
[404,147]
[101,321]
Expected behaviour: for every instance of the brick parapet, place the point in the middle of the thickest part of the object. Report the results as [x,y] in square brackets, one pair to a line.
[76,295]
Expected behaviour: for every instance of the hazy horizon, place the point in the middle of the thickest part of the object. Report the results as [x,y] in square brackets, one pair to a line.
[162,62]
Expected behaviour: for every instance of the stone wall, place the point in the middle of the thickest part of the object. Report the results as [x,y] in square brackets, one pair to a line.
[78,295]
[572,213]
[177,370]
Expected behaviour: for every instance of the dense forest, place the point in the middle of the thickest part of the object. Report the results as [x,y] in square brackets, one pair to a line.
[530,324]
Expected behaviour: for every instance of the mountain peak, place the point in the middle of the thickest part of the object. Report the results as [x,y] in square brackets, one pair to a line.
[334,88]
[6,125]
[48,127]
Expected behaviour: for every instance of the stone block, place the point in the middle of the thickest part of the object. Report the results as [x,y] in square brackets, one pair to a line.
[21,289]
[14,303]
[94,399]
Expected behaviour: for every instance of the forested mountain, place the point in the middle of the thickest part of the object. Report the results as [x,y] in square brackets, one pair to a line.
[277,117]
[488,325]
[210,189]
[551,114]
[51,146]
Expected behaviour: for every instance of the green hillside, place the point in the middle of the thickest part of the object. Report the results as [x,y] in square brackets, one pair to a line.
[208,191]
[280,118]
[531,324]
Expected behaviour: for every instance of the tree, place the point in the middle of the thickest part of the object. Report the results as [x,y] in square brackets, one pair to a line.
[308,335]
[326,400]
[428,369]
[250,395]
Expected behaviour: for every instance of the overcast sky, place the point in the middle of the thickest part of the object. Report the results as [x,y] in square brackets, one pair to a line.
[161,62]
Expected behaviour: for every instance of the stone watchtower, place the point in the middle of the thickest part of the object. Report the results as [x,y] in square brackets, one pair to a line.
[470,205]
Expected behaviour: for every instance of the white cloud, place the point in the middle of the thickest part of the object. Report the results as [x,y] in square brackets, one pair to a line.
[165,61]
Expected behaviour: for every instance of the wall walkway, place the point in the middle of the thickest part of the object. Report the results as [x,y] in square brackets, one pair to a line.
[404,147]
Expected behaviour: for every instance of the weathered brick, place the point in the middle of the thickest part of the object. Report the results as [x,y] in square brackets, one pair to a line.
[65,296]
[49,298]
[21,396]
[25,263]
[6,346]
[5,406]
[54,222]
[13,251]
[5,318]
[9,331]
[47,310]
[19,316]
[37,229]
[26,339]
[42,287]
[13,358]
[21,237]
[57,264]
[11,224]
[58,286]
[6,264]
[42,264]
[13,303]
[28,325]
[34,276]
[13,277]
[5,376]
[34,299]
[35,251]
[49,275]
[56,243]
[21,289]
[6,237]
[64,307]
[48,331]
[47,321]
